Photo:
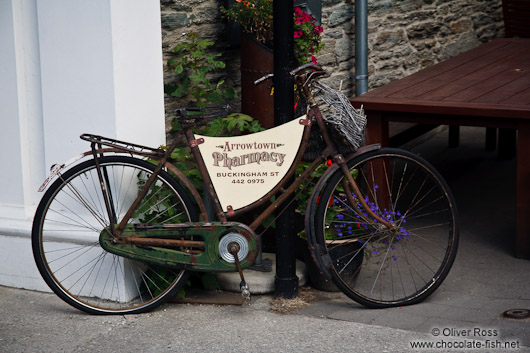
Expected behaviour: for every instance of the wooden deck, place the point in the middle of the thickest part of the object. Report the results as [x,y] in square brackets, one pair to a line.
[487,86]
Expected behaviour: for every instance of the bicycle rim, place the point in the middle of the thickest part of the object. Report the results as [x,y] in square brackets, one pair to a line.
[379,267]
[66,230]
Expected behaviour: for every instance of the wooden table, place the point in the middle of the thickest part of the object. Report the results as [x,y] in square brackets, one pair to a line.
[486,86]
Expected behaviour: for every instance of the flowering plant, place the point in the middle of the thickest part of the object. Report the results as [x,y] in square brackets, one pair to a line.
[255,18]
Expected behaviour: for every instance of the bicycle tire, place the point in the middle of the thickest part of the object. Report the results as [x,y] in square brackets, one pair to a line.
[66,228]
[375,266]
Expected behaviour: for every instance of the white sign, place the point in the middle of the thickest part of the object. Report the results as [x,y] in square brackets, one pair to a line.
[243,169]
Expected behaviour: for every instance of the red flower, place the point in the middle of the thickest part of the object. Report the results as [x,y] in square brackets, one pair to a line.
[298,34]
[301,19]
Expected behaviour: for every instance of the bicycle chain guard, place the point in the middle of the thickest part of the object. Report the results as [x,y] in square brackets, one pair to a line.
[190,246]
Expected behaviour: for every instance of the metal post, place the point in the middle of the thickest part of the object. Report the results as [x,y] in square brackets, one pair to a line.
[361,47]
[286,281]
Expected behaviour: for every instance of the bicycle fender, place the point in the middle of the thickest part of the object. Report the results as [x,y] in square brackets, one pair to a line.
[318,250]
[56,169]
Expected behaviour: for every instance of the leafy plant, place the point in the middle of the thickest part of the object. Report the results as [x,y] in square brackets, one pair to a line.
[305,189]
[194,65]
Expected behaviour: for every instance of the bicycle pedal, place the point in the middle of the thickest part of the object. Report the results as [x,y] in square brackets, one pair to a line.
[245,292]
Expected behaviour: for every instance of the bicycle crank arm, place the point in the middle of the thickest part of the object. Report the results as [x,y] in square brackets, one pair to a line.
[201,246]
[234,249]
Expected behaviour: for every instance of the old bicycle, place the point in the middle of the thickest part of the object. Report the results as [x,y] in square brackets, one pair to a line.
[119,232]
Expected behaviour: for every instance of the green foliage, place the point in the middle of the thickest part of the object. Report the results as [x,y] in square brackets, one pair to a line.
[305,189]
[182,159]
[233,124]
[193,65]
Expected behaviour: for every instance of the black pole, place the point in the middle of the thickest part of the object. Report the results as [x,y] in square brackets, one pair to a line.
[286,281]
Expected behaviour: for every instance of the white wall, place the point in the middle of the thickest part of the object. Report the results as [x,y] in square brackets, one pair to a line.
[69,67]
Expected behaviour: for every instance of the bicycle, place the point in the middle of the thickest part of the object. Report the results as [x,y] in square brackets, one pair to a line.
[119,232]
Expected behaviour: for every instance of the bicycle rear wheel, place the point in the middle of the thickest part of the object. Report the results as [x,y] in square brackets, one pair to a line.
[375,266]
[67,225]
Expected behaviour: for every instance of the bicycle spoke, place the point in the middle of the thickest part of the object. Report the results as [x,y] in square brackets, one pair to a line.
[71,218]
[380,266]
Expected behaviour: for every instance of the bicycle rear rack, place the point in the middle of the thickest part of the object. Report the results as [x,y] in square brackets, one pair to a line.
[122,146]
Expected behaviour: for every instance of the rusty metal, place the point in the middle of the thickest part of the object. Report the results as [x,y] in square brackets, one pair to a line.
[331,149]
[145,188]
[208,185]
[285,195]
[305,122]
[233,248]
[103,181]
[123,146]
[191,188]
[520,314]
[176,245]
[196,142]
[135,240]
[356,191]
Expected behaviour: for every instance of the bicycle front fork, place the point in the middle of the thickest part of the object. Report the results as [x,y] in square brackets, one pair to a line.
[350,181]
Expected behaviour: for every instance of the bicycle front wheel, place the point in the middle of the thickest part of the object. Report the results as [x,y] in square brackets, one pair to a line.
[70,218]
[373,265]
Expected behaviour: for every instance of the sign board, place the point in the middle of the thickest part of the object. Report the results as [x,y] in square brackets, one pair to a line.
[243,169]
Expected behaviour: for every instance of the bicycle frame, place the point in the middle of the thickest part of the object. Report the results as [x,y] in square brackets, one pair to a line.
[330,152]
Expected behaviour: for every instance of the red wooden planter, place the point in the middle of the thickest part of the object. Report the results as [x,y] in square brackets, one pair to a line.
[256,61]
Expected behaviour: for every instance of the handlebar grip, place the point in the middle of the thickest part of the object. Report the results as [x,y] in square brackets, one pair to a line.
[306,67]
[260,80]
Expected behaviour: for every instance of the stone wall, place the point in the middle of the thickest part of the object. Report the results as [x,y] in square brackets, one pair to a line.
[404,36]
[408,35]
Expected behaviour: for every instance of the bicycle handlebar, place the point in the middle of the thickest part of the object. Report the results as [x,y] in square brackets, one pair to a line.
[309,66]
